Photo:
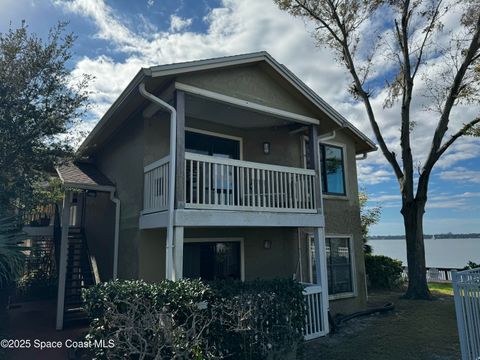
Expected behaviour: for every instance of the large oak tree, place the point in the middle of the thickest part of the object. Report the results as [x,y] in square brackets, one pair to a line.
[40,105]
[410,37]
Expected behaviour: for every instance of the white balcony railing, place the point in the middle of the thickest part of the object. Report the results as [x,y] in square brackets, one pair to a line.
[156,179]
[227,184]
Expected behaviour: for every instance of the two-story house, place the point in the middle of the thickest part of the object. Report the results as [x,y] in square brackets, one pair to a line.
[226,168]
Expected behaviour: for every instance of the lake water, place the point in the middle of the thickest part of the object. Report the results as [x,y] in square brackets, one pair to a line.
[439,253]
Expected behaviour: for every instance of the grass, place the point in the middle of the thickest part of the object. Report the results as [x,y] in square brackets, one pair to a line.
[441,288]
[416,329]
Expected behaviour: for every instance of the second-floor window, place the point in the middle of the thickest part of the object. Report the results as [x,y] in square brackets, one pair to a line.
[333,169]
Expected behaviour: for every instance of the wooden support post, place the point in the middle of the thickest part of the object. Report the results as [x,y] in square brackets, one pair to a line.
[62,265]
[180,165]
[178,253]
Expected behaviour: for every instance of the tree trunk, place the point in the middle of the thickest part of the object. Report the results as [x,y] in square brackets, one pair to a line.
[417,276]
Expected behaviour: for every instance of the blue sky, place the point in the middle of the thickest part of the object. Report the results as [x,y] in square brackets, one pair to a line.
[116,38]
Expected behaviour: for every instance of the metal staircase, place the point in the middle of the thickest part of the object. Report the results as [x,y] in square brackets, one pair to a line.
[79,276]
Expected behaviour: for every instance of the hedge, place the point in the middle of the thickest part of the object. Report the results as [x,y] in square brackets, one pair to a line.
[192,319]
[383,272]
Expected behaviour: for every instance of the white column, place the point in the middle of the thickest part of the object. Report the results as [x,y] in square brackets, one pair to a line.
[178,252]
[62,263]
[321,272]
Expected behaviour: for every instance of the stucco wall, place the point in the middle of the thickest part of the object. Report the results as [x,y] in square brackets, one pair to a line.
[342,217]
[280,261]
[99,231]
[285,148]
[121,160]
[251,83]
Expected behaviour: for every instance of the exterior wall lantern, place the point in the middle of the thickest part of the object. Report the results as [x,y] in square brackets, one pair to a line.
[267,244]
[266,148]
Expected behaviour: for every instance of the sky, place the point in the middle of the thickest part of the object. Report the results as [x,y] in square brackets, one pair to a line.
[117,38]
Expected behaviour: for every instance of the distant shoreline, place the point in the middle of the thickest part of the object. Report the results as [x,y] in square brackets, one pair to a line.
[427,236]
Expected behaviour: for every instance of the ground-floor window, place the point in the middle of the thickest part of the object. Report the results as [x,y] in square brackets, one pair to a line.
[212,260]
[339,264]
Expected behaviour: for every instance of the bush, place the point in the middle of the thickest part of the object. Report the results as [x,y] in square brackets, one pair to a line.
[192,319]
[383,272]
[37,285]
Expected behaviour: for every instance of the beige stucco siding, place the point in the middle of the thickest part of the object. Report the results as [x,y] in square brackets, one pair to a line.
[99,231]
[121,160]
[285,148]
[342,217]
[250,83]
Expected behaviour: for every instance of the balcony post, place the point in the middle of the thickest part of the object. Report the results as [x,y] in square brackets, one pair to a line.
[180,165]
[314,163]
[178,253]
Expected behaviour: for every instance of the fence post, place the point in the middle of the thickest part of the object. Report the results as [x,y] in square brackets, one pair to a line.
[460,316]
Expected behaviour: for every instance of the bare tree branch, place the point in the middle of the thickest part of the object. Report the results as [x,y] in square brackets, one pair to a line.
[444,120]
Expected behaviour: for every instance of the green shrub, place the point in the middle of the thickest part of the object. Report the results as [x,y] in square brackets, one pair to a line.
[192,319]
[37,285]
[383,272]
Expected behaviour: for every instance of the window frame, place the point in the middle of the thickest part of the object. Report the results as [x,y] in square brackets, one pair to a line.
[353,269]
[219,135]
[343,147]
[241,240]
[325,190]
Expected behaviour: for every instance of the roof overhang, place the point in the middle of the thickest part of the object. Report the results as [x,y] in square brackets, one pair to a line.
[83,176]
[169,71]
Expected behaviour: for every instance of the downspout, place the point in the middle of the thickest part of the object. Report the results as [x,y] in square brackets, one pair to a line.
[329,136]
[362,157]
[116,235]
[171,190]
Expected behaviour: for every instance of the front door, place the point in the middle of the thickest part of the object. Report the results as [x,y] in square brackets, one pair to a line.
[212,260]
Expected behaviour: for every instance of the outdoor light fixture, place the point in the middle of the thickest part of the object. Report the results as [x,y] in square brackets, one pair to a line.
[267,244]
[266,148]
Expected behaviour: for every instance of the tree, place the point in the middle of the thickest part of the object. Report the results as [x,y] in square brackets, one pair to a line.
[368,216]
[40,105]
[406,36]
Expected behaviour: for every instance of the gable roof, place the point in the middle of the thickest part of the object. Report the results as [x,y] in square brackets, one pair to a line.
[170,70]
[80,175]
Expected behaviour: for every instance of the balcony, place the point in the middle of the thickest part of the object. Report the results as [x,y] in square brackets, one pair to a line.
[214,183]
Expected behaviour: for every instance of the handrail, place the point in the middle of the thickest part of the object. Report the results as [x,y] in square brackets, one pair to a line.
[249,164]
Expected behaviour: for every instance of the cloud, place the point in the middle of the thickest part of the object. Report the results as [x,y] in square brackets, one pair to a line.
[461,174]
[177,23]
[240,26]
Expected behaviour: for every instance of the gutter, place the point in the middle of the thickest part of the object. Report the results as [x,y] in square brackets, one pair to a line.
[171,190]
[116,234]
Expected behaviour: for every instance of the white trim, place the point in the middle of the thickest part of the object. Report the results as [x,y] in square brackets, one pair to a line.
[345,177]
[247,104]
[156,164]
[62,267]
[217,134]
[219,218]
[249,164]
[351,244]
[345,172]
[80,186]
[241,240]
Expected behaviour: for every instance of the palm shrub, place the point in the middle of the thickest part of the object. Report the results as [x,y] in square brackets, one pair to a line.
[12,256]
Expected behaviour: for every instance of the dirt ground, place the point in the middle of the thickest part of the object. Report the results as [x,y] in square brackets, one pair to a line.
[415,329]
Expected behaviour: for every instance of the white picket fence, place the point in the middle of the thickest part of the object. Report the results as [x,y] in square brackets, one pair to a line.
[466,288]
[314,321]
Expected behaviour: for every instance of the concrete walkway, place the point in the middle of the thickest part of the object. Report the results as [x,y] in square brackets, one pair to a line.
[35,321]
